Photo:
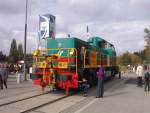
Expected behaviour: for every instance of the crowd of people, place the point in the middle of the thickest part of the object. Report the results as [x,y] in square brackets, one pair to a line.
[6,69]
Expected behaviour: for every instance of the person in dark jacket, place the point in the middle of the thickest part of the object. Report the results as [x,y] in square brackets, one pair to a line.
[1,81]
[100,84]
[147,80]
[3,76]
[85,86]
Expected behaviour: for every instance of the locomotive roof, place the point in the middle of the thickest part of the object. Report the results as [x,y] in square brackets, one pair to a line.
[98,39]
[92,42]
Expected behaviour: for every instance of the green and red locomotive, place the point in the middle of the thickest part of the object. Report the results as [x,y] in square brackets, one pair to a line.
[66,61]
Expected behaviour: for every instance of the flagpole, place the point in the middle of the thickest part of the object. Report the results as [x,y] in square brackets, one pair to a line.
[39,34]
[25,40]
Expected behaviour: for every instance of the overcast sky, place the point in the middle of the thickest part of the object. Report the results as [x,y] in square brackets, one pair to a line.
[120,22]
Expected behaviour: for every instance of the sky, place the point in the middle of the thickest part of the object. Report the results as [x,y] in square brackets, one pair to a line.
[120,22]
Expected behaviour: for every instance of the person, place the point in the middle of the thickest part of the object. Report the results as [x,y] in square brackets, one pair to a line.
[85,86]
[113,73]
[17,69]
[133,69]
[100,84]
[139,72]
[1,81]
[30,72]
[119,72]
[3,76]
[147,79]
[52,81]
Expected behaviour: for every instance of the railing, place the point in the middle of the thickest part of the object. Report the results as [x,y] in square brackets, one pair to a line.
[56,55]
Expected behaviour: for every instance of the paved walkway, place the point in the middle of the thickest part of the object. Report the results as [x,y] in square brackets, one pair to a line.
[121,96]
[17,91]
[125,98]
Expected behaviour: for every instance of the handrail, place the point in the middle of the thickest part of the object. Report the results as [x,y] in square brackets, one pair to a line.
[68,55]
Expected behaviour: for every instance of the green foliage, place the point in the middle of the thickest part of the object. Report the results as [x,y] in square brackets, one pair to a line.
[13,54]
[126,58]
[147,36]
[135,59]
[129,59]
[3,57]
[147,55]
[29,60]
[147,47]
[20,52]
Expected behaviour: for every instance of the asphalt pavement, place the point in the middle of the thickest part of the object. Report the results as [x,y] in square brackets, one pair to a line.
[127,97]
[121,96]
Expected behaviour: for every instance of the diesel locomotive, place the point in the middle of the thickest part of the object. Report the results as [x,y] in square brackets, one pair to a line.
[66,61]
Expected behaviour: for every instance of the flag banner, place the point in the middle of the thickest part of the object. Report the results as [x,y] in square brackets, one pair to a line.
[47,26]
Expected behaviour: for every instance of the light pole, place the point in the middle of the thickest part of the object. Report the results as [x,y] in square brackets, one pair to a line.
[25,40]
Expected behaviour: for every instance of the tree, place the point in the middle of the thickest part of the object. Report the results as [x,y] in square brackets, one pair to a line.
[20,52]
[147,36]
[147,47]
[124,59]
[129,59]
[147,54]
[135,59]
[3,57]
[13,53]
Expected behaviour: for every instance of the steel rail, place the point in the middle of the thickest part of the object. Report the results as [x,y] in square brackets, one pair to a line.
[42,105]
[29,97]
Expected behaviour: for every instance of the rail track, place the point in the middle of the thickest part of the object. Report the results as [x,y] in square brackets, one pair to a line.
[7,96]
[42,105]
[49,102]
[56,100]
[36,102]
[29,97]
[26,102]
